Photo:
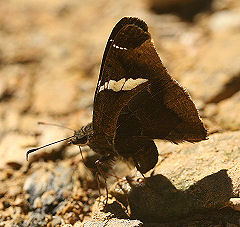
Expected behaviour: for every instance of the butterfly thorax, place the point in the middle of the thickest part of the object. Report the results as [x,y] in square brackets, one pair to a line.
[98,143]
[83,135]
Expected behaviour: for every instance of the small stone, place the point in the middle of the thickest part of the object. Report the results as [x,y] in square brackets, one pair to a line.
[56,220]
[15,189]
[18,201]
[3,191]
[36,219]
[37,203]
[78,224]
[1,205]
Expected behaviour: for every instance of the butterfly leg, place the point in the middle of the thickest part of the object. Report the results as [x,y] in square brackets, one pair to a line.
[105,161]
[100,171]
[98,184]
[99,164]
[138,167]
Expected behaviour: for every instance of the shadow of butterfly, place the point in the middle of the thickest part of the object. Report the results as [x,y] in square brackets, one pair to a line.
[137,101]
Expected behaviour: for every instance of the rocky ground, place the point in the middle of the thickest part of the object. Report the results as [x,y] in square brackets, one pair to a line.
[50,53]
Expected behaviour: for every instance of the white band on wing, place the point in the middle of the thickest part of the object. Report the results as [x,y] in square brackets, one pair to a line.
[122,85]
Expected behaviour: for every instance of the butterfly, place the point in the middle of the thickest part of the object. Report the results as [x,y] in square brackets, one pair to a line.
[137,101]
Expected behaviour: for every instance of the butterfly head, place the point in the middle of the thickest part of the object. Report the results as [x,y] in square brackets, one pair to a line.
[82,136]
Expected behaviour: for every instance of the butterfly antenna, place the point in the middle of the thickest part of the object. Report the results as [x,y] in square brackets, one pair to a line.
[52,124]
[38,148]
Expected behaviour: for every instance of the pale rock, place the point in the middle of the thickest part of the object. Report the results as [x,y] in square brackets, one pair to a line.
[54,93]
[228,112]
[225,20]
[13,148]
[217,64]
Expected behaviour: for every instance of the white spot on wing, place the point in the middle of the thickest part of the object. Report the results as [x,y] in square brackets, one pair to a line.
[132,83]
[118,47]
[116,85]
[101,88]
[99,82]
[106,85]
[122,85]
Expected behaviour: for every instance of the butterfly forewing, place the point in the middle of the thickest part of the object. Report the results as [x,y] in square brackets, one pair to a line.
[119,81]
[123,22]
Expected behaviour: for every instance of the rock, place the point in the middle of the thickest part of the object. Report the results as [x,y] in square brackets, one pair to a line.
[56,221]
[13,149]
[110,215]
[54,101]
[218,5]
[187,9]
[36,219]
[164,4]
[60,190]
[113,222]
[15,82]
[208,82]
[193,179]
[228,112]
[224,20]
[49,186]
[156,199]
[188,163]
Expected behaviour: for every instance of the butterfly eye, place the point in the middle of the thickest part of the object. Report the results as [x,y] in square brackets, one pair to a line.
[79,138]
[82,140]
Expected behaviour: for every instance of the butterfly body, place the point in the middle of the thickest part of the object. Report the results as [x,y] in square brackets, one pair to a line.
[137,101]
